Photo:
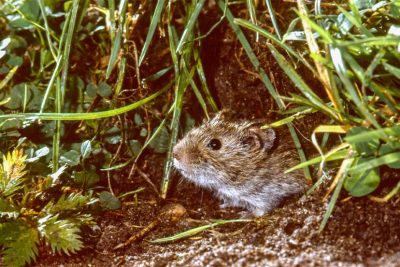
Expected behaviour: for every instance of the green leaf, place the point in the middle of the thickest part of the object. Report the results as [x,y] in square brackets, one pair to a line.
[342,173]
[15,60]
[161,141]
[61,235]
[30,9]
[71,202]
[18,95]
[19,242]
[4,43]
[359,184]
[86,149]
[105,90]
[38,154]
[135,146]
[91,90]
[116,48]
[138,119]
[143,132]
[87,178]
[109,201]
[366,148]
[113,135]
[390,148]
[7,210]
[71,158]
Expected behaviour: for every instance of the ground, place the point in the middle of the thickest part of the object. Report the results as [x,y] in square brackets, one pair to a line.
[361,232]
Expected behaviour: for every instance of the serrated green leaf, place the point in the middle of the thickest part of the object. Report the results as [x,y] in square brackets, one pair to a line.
[19,242]
[7,210]
[61,235]
[71,202]
[12,172]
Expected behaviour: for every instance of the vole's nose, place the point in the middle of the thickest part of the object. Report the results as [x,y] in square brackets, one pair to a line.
[176,154]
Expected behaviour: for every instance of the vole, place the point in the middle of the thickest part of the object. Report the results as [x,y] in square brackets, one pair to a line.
[243,164]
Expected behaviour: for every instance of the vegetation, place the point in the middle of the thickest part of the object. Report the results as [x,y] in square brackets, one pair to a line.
[38,209]
[76,76]
[354,53]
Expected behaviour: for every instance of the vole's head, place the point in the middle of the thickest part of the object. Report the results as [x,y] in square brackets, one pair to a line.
[221,151]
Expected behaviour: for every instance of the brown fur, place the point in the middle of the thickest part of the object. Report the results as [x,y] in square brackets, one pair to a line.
[246,166]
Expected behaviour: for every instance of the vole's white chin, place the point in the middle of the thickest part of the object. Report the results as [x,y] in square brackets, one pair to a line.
[179,166]
[195,176]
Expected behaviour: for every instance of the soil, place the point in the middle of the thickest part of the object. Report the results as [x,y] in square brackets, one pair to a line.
[360,232]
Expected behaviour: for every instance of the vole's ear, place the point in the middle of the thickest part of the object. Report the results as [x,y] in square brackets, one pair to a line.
[261,138]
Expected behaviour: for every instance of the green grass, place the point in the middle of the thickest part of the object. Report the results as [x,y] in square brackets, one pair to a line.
[349,56]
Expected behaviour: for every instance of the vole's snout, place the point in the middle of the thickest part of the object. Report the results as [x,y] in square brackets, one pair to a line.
[176,154]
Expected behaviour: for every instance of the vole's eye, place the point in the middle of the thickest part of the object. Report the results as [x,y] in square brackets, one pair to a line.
[214,144]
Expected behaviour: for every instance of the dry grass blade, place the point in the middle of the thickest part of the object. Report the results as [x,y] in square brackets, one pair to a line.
[323,72]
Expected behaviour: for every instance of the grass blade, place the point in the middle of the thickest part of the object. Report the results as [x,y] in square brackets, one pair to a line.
[8,77]
[153,24]
[341,69]
[303,87]
[274,39]
[340,176]
[384,134]
[202,77]
[51,82]
[116,46]
[341,154]
[83,116]
[196,230]
[271,13]
[376,162]
[189,25]
[264,78]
